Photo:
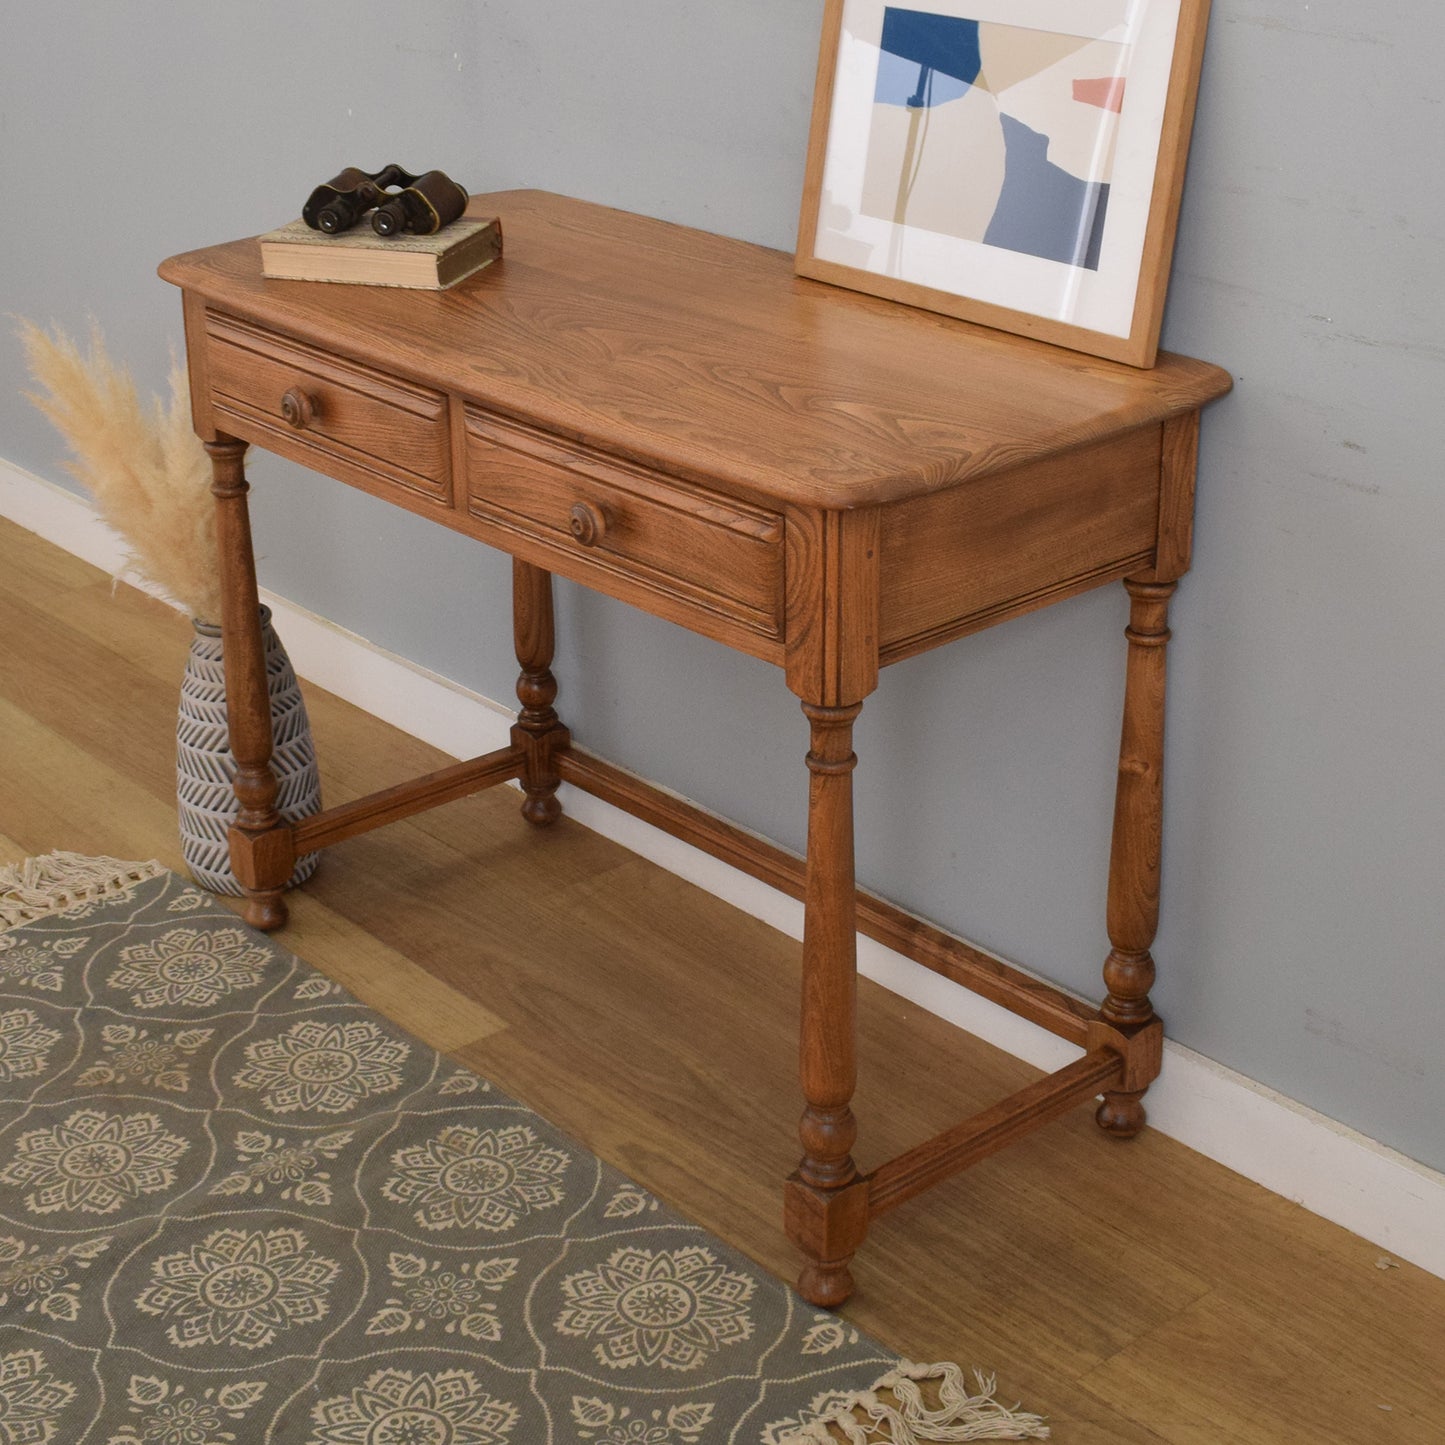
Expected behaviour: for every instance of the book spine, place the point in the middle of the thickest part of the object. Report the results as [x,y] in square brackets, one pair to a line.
[484,247]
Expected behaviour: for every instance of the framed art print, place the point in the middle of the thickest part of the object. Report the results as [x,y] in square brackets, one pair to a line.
[1013,162]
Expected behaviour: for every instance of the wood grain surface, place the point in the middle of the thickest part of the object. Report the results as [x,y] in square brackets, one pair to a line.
[708,358]
[378,427]
[1014,541]
[1135,1295]
[724,557]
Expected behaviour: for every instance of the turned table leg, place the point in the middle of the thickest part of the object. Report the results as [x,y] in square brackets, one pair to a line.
[262,850]
[827,1201]
[1133,914]
[537,731]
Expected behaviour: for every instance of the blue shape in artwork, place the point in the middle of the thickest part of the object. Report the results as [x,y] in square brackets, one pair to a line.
[1043,210]
[900,82]
[927,59]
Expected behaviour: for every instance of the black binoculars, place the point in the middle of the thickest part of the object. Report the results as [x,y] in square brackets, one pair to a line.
[398,201]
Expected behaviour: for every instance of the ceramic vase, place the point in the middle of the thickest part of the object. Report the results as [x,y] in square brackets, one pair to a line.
[205,769]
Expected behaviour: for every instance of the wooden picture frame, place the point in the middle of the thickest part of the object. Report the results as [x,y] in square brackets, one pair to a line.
[1048,201]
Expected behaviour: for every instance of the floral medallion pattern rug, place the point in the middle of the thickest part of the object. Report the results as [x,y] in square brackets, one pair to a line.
[237,1206]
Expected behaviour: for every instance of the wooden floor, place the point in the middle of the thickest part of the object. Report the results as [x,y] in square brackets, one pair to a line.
[1131,1292]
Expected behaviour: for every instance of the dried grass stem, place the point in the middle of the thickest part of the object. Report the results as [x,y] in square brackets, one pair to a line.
[143,465]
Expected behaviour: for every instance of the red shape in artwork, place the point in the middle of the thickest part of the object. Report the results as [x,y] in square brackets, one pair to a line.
[1107,93]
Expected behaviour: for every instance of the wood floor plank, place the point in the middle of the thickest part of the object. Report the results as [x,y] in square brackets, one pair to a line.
[1203,1376]
[91,696]
[388,981]
[152,637]
[57,794]
[33,565]
[1138,1294]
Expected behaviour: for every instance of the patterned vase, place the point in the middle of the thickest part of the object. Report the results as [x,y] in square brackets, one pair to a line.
[205,768]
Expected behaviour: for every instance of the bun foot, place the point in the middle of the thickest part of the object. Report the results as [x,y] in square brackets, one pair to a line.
[826,1285]
[266,911]
[1121,1115]
[542,809]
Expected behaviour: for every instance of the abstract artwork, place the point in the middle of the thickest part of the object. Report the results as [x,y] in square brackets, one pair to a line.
[1016,162]
[994,133]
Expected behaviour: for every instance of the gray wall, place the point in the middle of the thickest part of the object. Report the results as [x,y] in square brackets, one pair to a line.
[1303,907]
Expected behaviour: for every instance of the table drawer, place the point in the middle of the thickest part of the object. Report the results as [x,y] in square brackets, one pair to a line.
[336,416]
[605,520]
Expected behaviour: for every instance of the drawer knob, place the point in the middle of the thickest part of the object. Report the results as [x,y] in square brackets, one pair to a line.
[297,408]
[587,523]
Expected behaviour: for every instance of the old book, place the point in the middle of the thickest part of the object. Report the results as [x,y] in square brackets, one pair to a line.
[427,263]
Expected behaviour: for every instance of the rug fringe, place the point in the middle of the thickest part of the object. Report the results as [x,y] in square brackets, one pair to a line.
[895,1412]
[57,881]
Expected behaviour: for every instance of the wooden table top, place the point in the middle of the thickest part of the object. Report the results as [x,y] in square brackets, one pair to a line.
[708,358]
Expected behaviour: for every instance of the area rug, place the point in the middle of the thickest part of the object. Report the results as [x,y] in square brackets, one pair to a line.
[237,1206]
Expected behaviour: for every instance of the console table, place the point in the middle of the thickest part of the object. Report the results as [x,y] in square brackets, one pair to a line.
[822,479]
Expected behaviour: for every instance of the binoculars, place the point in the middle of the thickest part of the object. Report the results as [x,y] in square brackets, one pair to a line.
[398,201]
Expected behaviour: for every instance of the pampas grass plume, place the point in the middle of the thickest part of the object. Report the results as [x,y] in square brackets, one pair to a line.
[144,466]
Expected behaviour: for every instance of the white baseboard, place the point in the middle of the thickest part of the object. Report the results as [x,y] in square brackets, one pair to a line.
[1329,1169]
